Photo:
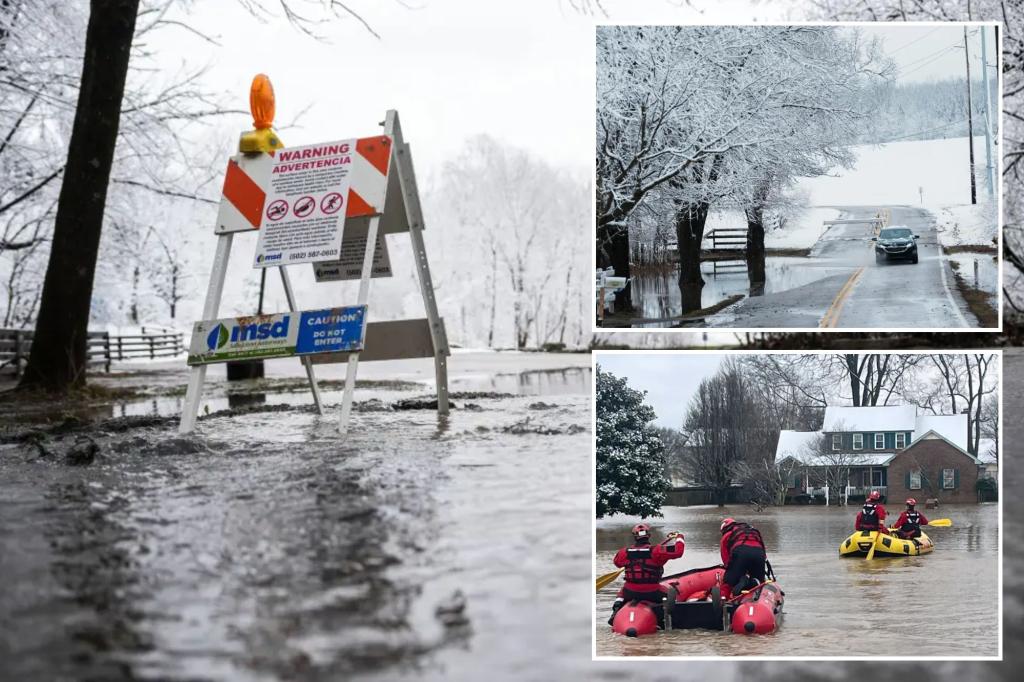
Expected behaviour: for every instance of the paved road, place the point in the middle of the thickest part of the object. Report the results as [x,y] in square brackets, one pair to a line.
[863,294]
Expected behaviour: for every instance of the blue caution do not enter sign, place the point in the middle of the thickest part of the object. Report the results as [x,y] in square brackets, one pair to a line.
[333,330]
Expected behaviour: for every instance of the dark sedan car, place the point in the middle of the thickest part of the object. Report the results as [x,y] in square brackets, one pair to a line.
[895,243]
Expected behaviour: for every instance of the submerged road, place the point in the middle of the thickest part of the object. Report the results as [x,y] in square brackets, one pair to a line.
[895,295]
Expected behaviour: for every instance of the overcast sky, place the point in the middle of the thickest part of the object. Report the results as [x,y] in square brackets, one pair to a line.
[670,379]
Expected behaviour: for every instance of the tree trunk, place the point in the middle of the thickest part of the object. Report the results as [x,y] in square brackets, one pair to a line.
[58,358]
[613,251]
[690,221]
[755,248]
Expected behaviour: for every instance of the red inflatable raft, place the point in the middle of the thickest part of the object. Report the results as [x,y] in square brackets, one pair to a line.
[694,601]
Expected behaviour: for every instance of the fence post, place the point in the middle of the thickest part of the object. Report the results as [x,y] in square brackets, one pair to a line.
[106,349]
[17,353]
[120,353]
[150,339]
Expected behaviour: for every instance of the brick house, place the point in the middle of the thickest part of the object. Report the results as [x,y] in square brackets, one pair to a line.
[862,449]
[934,467]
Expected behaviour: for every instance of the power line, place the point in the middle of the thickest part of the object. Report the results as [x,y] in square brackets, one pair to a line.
[921,132]
[916,40]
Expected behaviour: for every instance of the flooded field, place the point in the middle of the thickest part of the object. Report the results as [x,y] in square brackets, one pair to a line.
[834,606]
[657,294]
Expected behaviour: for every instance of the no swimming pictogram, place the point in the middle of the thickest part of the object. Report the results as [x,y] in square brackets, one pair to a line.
[277,210]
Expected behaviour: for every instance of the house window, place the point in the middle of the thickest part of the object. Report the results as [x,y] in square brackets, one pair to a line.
[948,479]
[879,441]
[858,441]
[901,440]
[837,441]
[915,480]
[876,478]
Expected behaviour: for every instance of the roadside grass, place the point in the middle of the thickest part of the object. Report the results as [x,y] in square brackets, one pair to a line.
[979,302]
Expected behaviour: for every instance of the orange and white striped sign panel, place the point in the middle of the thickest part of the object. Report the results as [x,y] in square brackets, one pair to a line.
[251,178]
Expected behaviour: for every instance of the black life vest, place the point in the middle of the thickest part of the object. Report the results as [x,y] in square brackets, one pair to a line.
[641,568]
[869,516]
[913,521]
[744,534]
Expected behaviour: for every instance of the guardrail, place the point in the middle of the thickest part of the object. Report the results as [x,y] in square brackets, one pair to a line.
[101,347]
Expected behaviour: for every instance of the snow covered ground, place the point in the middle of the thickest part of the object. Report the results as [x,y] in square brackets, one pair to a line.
[966,225]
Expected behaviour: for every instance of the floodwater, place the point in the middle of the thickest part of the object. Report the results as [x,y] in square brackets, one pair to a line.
[657,294]
[267,547]
[942,604]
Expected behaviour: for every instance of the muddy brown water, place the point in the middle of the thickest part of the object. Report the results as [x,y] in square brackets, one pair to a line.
[835,606]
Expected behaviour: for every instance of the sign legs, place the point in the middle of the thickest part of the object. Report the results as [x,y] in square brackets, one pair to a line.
[197,374]
[352,367]
[414,216]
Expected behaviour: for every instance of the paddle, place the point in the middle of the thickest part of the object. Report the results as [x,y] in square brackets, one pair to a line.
[874,541]
[606,579]
[744,592]
[940,523]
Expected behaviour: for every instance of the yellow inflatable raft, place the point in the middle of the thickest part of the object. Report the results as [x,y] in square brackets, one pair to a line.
[860,542]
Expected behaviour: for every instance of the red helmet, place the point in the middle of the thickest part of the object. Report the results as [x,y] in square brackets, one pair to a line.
[874,495]
[726,523]
[911,501]
[641,531]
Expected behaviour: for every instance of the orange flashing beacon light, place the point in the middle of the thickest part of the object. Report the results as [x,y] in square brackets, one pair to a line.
[261,104]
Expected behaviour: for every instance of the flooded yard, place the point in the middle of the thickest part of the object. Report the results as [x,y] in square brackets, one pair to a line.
[941,604]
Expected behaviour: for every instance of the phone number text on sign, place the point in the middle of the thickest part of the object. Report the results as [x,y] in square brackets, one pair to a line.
[303,222]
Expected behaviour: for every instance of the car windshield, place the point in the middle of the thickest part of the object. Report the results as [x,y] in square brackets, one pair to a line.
[895,233]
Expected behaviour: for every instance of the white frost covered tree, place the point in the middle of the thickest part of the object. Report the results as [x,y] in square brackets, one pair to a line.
[631,476]
[510,257]
[690,116]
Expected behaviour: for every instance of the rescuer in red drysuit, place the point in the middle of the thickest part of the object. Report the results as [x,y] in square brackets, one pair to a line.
[872,515]
[645,564]
[908,525]
[743,555]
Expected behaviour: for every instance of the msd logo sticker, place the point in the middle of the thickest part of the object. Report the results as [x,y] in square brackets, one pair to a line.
[217,338]
[268,258]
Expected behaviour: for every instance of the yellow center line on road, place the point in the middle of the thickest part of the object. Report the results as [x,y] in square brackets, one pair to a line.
[831,316]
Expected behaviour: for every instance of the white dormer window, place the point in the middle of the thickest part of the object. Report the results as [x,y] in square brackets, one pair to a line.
[837,441]
[901,440]
[879,441]
[858,441]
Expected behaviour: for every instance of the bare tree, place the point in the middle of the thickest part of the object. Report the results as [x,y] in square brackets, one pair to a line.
[726,428]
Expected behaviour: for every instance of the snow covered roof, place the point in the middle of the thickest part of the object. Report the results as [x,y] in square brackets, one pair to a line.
[987,451]
[952,427]
[795,444]
[879,418]
[800,445]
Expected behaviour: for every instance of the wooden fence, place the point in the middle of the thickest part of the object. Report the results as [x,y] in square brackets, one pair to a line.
[101,347]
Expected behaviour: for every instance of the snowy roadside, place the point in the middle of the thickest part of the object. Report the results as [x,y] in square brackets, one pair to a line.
[965,225]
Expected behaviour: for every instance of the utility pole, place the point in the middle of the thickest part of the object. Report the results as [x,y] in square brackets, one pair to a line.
[970,121]
[989,168]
